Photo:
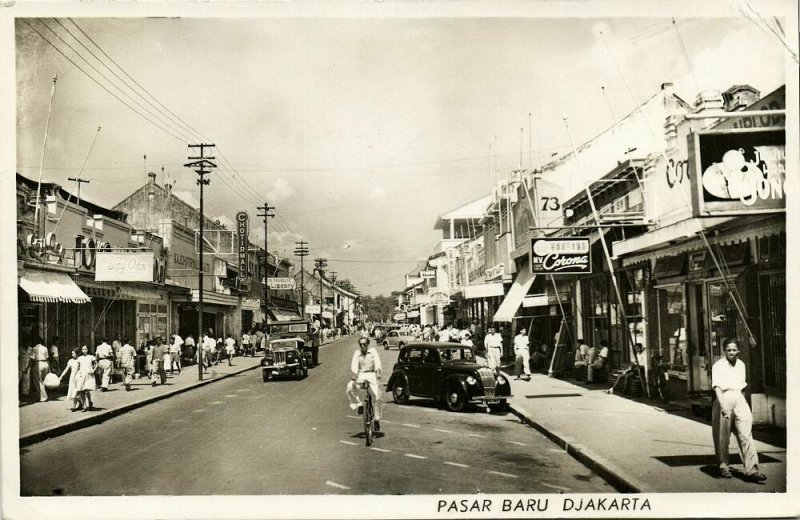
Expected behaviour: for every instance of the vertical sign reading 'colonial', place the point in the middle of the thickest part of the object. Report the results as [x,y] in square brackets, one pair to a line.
[242,231]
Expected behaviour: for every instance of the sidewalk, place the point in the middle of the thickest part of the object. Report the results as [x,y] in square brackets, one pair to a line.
[636,446]
[40,421]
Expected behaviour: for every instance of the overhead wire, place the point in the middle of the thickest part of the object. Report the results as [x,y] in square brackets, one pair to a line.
[34,29]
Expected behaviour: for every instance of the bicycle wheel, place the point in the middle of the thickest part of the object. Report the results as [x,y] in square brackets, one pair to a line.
[368,422]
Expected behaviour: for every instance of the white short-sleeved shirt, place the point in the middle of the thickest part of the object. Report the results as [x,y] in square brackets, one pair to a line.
[728,377]
[494,340]
[230,345]
[521,342]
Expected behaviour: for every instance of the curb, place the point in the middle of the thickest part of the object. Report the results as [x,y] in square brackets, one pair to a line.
[47,433]
[582,454]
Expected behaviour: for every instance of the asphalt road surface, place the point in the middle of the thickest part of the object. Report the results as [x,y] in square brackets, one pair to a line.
[242,436]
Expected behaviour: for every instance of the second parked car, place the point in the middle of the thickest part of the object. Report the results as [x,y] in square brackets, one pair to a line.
[448,373]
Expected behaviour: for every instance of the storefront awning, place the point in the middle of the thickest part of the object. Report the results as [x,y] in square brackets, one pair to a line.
[513,299]
[683,230]
[483,290]
[283,315]
[46,286]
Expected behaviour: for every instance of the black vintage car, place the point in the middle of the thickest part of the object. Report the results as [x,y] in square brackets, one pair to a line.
[449,373]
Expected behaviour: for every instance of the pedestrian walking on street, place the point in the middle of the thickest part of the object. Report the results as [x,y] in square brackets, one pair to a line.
[127,362]
[166,358]
[175,348]
[522,354]
[85,382]
[731,412]
[72,390]
[246,343]
[158,363]
[55,362]
[105,363]
[24,370]
[116,345]
[40,368]
[494,349]
[190,347]
[148,351]
[230,349]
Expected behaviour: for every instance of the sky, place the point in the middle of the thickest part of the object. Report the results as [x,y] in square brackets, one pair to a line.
[360,131]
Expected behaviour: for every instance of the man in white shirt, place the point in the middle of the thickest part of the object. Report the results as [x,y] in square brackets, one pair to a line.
[522,353]
[494,349]
[246,344]
[365,366]
[41,367]
[730,408]
[127,362]
[105,363]
[597,361]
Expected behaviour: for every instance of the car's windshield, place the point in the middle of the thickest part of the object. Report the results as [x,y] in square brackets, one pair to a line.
[457,354]
[278,328]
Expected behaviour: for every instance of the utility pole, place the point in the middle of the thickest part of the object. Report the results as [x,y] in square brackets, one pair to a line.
[333,305]
[79,181]
[319,265]
[266,208]
[202,166]
[301,250]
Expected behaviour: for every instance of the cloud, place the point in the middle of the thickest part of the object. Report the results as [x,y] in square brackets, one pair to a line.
[281,190]
[188,197]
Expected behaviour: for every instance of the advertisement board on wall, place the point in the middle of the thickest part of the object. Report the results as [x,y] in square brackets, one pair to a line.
[736,171]
[124,266]
[281,284]
[427,274]
[561,255]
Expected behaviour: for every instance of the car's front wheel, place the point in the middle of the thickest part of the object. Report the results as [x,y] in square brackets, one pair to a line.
[305,371]
[499,407]
[454,399]
[265,375]
[385,345]
[400,393]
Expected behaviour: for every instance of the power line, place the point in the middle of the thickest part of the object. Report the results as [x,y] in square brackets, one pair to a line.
[121,91]
[98,83]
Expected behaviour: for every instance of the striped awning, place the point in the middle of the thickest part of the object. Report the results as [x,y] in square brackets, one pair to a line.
[48,286]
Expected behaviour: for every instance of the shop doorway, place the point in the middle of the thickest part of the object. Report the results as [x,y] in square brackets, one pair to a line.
[698,346]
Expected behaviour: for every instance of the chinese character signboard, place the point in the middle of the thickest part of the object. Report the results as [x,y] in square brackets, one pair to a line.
[738,171]
[281,284]
[561,255]
[242,231]
[124,267]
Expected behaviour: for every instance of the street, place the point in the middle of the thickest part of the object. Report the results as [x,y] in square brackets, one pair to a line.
[245,437]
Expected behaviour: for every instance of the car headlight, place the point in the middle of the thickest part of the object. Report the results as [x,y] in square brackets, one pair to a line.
[471,380]
[501,380]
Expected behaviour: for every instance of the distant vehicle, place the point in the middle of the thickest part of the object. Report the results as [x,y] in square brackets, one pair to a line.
[448,373]
[396,338]
[284,357]
[300,328]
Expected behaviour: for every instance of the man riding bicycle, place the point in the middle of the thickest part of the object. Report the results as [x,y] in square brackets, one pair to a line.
[366,367]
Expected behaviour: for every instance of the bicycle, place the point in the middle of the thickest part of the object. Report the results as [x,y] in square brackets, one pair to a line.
[659,379]
[369,414]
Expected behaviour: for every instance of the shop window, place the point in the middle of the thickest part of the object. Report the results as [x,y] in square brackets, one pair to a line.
[672,345]
[772,302]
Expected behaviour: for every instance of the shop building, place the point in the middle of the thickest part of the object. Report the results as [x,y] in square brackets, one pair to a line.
[85,273]
[717,249]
